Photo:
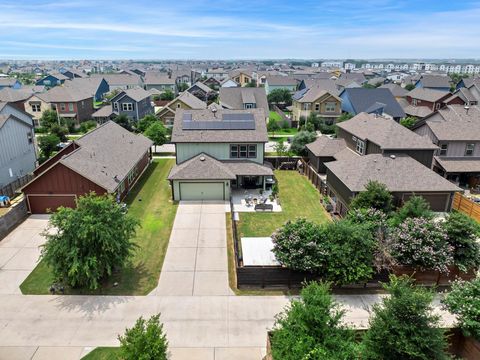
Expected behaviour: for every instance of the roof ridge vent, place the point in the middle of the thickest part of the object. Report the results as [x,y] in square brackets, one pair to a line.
[393,157]
[202,158]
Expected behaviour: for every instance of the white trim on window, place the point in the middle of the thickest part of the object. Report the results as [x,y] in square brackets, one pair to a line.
[127,107]
[360,148]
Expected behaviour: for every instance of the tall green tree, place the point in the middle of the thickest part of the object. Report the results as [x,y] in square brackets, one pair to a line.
[47,145]
[273,125]
[48,119]
[145,122]
[375,196]
[157,133]
[281,148]
[167,95]
[124,122]
[299,141]
[403,327]
[145,341]
[90,241]
[280,96]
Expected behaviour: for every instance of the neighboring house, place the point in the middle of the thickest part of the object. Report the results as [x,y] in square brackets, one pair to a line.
[456,131]
[72,74]
[241,77]
[421,102]
[182,77]
[359,78]
[276,82]
[201,91]
[326,84]
[371,134]
[17,144]
[213,83]
[121,81]
[469,92]
[403,176]
[16,98]
[134,103]
[243,99]
[10,83]
[318,101]
[218,73]
[95,86]
[434,82]
[159,81]
[104,114]
[373,101]
[342,84]
[376,81]
[52,80]
[325,149]
[396,90]
[228,83]
[35,105]
[109,159]
[217,153]
[468,82]
[185,101]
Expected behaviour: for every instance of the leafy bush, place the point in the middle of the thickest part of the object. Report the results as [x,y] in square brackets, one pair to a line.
[124,122]
[312,328]
[423,244]
[376,196]
[157,133]
[88,125]
[273,125]
[341,252]
[300,140]
[92,240]
[464,301]
[408,122]
[48,144]
[145,341]
[167,95]
[463,233]
[415,207]
[403,326]
[145,122]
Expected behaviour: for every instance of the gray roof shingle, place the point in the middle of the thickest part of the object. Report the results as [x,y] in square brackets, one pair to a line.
[234,98]
[454,123]
[362,99]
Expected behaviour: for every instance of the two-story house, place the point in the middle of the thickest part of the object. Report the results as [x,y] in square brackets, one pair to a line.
[17,144]
[373,101]
[275,82]
[185,101]
[316,100]
[121,81]
[434,82]
[96,86]
[159,81]
[455,129]
[134,103]
[421,102]
[218,151]
[367,148]
[237,98]
[241,76]
[52,80]
[201,91]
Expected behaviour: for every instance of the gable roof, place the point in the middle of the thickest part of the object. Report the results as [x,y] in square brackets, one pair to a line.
[137,93]
[362,99]
[235,97]
[158,78]
[5,117]
[395,89]
[323,146]
[454,123]
[191,100]
[106,155]
[87,84]
[326,84]
[8,94]
[311,94]
[201,167]
[429,95]
[435,81]
[120,79]
[65,94]
[278,80]
[201,86]
[400,173]
[386,133]
[357,77]
[181,135]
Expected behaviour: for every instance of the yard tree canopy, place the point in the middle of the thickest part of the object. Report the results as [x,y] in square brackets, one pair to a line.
[300,140]
[280,96]
[124,122]
[157,133]
[145,122]
[47,145]
[376,196]
[167,95]
[92,241]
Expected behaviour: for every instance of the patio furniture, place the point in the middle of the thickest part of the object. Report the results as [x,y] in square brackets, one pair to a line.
[264,207]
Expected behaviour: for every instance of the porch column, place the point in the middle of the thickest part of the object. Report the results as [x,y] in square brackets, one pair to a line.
[263,177]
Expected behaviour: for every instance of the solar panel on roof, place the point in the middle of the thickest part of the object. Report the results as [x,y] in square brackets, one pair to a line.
[219,125]
[238,117]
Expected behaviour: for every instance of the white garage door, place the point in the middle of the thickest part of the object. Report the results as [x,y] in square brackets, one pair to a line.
[202,191]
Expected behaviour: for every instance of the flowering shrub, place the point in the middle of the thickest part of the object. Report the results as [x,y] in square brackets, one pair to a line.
[464,301]
[421,243]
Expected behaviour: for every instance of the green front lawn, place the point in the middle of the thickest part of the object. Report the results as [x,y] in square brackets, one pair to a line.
[103,353]
[150,202]
[298,198]
[275,116]
[284,132]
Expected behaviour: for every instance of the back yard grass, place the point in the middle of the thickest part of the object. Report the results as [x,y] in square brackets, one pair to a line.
[298,198]
[150,202]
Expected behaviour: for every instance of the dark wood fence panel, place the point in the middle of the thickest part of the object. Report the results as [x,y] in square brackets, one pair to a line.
[10,189]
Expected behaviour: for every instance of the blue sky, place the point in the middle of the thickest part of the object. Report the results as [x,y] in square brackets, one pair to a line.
[260,29]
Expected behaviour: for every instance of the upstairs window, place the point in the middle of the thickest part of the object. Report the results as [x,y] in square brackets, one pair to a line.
[360,148]
[330,107]
[36,108]
[62,106]
[127,107]
[70,106]
[443,149]
[469,149]
[115,105]
[414,102]
[243,151]
[317,107]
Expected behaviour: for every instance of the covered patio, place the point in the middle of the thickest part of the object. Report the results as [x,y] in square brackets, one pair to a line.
[244,200]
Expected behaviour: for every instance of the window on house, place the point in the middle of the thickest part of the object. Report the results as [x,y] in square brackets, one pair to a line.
[30,137]
[70,106]
[234,151]
[115,105]
[360,146]
[249,106]
[62,106]
[330,107]
[243,151]
[414,102]
[443,149]
[252,151]
[317,107]
[469,149]
[178,105]
[127,107]
[36,108]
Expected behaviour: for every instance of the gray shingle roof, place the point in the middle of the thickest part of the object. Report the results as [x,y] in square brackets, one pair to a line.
[313,93]
[88,84]
[179,135]
[454,123]
[357,77]
[104,111]
[120,79]
[278,80]
[234,98]
[107,154]
[325,84]
[435,81]
[459,165]
[7,81]
[158,78]
[362,99]
[190,100]
[137,93]
[395,89]
[400,174]
[12,95]
[65,94]
[427,94]
[386,133]
[323,146]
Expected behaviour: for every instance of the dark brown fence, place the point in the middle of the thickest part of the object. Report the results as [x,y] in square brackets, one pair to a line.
[283,162]
[314,177]
[10,189]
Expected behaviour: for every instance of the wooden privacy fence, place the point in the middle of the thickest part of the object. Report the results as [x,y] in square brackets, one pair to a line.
[314,178]
[466,206]
[10,189]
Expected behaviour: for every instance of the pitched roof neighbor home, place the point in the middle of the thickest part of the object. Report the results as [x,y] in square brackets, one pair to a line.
[244,98]
[372,101]
[359,78]
[134,103]
[241,76]
[325,149]
[422,102]
[15,97]
[316,100]
[326,84]
[228,83]
[456,131]
[402,175]
[17,146]
[395,89]
[342,84]
[109,159]
[184,101]
[121,81]
[52,79]
[160,81]
[434,82]
[201,91]
[275,82]
[9,83]
[218,152]
[96,86]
